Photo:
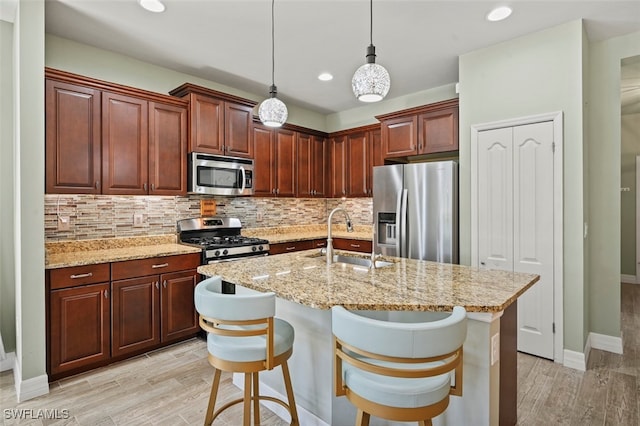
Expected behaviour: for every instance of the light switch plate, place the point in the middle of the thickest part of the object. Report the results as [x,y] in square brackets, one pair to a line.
[63,223]
[138,219]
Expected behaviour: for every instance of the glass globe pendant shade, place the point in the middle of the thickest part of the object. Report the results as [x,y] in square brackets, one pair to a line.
[272,111]
[371,82]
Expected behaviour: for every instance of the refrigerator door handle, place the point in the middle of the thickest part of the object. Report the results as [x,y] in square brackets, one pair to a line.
[401,243]
[398,224]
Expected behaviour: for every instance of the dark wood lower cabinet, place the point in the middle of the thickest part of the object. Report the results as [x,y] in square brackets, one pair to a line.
[80,325]
[91,323]
[136,321]
[291,246]
[363,246]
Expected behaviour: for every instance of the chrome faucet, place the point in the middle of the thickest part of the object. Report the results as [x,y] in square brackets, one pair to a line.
[329,239]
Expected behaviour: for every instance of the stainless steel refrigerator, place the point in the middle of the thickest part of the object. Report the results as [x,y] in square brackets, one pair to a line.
[415,211]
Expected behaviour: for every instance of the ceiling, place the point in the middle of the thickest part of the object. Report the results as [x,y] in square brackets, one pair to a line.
[229,41]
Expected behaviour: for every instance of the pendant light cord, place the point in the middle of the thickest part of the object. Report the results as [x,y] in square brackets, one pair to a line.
[273,44]
[371,22]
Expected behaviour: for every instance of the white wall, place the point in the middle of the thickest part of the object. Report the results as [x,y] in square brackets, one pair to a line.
[604,169]
[28,207]
[7,259]
[533,74]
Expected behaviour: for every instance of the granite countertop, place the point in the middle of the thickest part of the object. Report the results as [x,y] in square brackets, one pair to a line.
[89,252]
[408,285]
[285,234]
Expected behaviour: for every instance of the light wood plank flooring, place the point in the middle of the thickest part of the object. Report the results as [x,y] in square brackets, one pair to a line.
[171,387]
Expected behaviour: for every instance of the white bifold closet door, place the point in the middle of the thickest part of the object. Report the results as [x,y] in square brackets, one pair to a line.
[515,221]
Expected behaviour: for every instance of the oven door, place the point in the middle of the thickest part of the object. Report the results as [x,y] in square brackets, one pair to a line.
[216,175]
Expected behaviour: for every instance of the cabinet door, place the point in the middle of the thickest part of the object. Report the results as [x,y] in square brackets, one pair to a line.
[399,136]
[124,145]
[339,167]
[304,176]
[135,322]
[377,154]
[179,316]
[264,182]
[318,167]
[237,130]
[286,163]
[358,157]
[363,246]
[167,149]
[72,139]
[207,125]
[438,131]
[79,326]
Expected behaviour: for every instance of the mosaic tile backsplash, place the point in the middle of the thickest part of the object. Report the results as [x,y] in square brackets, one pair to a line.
[108,216]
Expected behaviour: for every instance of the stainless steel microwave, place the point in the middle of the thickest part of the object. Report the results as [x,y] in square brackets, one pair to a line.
[220,175]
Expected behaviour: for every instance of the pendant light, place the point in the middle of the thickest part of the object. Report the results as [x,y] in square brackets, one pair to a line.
[272,111]
[371,81]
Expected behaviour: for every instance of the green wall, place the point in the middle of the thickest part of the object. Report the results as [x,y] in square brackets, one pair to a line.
[605,171]
[7,258]
[533,74]
[630,149]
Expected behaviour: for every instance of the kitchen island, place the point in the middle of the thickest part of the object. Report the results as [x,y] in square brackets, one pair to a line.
[406,290]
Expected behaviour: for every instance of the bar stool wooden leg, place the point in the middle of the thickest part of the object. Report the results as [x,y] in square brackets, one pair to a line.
[256,400]
[212,397]
[362,419]
[425,422]
[292,402]
[247,400]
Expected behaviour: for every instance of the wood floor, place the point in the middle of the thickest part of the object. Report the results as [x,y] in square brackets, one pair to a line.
[171,387]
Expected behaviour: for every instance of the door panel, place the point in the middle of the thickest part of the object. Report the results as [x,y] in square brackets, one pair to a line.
[495,187]
[533,233]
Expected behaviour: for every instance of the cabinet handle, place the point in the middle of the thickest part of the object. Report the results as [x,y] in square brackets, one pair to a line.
[106,294]
[482,263]
[164,284]
[97,184]
[355,245]
[153,186]
[144,186]
[290,248]
[157,285]
[277,190]
[161,265]
[88,274]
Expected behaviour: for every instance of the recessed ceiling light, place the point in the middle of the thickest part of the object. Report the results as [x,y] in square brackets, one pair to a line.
[152,5]
[325,76]
[499,13]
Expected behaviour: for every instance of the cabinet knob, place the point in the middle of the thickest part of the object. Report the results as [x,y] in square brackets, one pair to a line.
[482,263]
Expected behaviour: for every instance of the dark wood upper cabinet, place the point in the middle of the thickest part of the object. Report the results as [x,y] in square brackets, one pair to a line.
[220,123]
[167,149]
[73,157]
[377,154]
[104,138]
[125,144]
[311,177]
[428,129]
[359,160]
[339,166]
[285,163]
[264,179]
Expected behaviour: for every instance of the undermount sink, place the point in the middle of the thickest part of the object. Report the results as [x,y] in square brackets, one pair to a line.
[353,260]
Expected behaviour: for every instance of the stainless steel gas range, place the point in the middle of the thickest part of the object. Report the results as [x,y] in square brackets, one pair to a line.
[220,239]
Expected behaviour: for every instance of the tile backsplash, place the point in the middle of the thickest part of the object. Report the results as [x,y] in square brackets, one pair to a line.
[108,216]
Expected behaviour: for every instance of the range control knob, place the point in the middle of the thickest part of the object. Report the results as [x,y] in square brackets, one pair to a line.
[260,248]
[254,248]
[216,253]
[225,252]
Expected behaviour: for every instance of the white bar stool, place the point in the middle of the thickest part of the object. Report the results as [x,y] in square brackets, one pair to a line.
[244,337]
[398,371]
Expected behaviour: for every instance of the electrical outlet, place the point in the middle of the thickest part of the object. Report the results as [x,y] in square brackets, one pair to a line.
[495,348]
[259,215]
[138,219]
[63,223]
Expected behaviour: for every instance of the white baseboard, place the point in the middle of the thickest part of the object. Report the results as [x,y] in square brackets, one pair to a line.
[606,343]
[575,360]
[30,388]
[628,279]
[305,417]
[8,361]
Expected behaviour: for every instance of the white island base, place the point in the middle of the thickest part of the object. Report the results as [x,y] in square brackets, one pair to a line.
[485,400]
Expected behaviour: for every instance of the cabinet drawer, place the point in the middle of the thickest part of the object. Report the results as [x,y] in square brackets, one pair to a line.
[290,246]
[79,275]
[153,266]
[352,245]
